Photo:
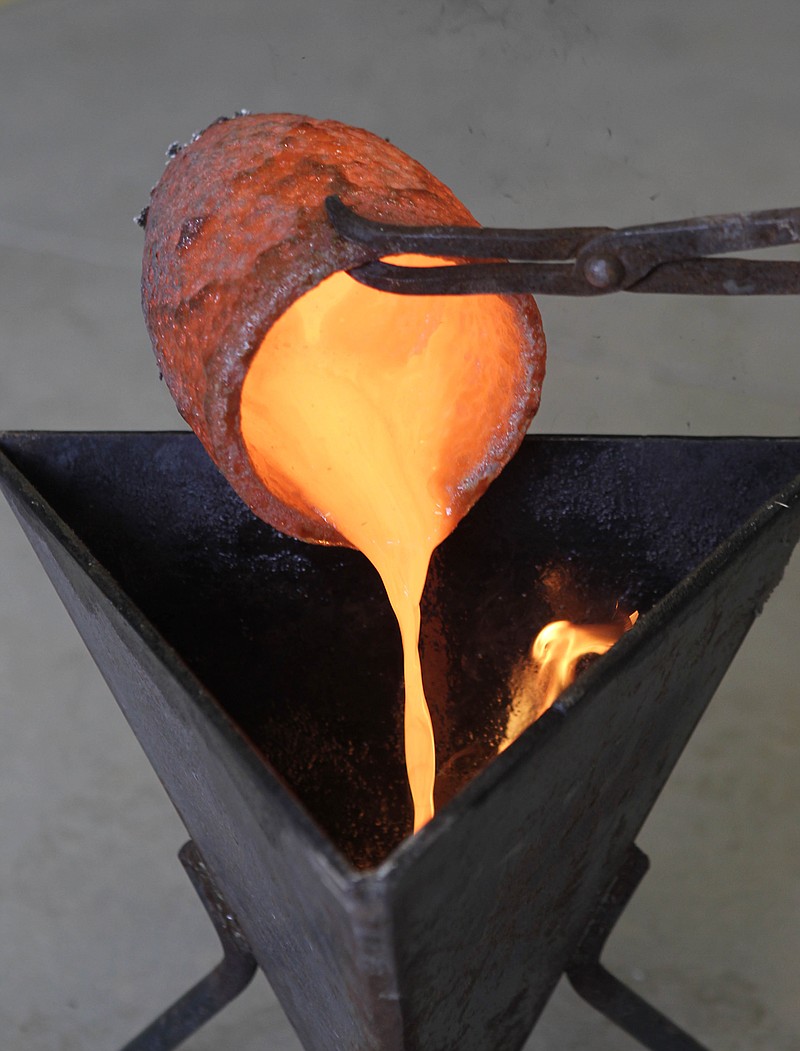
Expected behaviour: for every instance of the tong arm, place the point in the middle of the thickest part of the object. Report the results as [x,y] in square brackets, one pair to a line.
[469,242]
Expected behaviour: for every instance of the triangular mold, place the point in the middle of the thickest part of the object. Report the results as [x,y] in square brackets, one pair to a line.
[227,644]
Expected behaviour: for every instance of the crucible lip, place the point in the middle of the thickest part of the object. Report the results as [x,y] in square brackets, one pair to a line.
[649,625]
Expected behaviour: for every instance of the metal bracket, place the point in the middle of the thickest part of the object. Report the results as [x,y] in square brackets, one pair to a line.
[608,994]
[228,979]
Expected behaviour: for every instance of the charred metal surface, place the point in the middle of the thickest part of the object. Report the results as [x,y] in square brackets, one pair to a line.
[314,925]
[262,677]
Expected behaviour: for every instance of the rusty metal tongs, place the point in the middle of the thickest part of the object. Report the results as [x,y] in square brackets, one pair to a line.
[659,257]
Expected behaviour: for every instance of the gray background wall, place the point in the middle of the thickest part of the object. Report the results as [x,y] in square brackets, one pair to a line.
[564,112]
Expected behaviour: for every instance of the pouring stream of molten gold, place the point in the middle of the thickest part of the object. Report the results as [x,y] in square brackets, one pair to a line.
[371,411]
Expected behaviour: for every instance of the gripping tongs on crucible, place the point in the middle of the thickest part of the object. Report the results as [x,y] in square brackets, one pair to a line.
[582,260]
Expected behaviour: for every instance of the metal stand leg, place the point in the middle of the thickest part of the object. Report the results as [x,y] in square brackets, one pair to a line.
[220,986]
[608,994]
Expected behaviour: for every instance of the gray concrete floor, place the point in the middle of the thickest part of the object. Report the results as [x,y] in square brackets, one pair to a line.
[565,112]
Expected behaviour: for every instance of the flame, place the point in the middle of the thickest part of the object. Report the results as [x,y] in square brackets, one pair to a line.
[553,666]
[373,411]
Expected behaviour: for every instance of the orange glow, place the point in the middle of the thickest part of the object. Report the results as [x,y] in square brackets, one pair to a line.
[374,411]
[553,665]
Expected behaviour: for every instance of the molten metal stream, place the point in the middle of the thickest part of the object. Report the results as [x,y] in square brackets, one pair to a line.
[373,411]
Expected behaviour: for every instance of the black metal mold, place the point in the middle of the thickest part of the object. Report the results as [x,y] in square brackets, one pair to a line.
[201,618]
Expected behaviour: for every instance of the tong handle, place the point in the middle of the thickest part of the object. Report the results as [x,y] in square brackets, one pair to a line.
[622,258]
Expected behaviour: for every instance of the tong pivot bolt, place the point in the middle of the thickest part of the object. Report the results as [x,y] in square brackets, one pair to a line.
[604,271]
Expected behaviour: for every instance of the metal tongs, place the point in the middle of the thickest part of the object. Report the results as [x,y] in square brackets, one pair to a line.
[582,260]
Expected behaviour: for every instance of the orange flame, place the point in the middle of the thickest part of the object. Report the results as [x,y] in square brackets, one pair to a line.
[553,666]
